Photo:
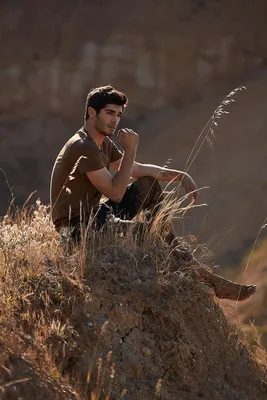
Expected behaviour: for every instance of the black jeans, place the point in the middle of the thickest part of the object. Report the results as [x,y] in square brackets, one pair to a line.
[144,194]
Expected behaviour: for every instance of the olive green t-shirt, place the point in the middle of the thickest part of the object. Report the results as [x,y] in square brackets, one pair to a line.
[70,189]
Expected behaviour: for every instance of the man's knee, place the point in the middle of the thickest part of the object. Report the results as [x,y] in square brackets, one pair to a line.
[148,191]
[148,182]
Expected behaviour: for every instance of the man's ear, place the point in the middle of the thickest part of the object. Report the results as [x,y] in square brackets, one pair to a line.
[91,112]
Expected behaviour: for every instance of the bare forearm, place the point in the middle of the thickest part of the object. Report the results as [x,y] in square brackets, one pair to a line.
[166,175]
[159,173]
[122,177]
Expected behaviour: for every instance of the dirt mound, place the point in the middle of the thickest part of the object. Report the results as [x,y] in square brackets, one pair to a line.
[171,329]
[114,318]
[168,337]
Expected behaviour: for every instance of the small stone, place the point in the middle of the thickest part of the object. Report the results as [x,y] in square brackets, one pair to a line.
[146,351]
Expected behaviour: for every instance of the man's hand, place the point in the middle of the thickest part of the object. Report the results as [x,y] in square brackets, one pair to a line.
[128,139]
[115,187]
[190,186]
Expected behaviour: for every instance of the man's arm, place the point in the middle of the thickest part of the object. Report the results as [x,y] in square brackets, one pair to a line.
[166,175]
[114,188]
[162,174]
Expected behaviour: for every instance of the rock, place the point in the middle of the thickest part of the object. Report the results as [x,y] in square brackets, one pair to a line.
[146,351]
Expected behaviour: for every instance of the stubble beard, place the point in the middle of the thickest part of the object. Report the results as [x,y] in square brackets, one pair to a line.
[104,133]
[103,129]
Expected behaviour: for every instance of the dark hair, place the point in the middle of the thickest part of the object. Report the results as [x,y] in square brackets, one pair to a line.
[99,97]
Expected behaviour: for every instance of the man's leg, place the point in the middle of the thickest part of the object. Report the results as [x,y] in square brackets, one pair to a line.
[78,226]
[143,194]
[146,194]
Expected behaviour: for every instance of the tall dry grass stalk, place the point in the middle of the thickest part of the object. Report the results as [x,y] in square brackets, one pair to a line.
[208,132]
[207,135]
[263,226]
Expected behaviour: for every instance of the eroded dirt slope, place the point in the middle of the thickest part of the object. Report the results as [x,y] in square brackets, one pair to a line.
[160,326]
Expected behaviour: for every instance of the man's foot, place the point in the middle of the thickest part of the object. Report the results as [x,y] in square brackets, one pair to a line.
[237,292]
[225,289]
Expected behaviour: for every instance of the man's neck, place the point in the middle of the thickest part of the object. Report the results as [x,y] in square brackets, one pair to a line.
[95,135]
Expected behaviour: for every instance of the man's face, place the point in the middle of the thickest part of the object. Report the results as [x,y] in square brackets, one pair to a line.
[108,119]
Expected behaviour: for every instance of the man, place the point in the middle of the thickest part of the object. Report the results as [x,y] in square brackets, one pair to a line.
[81,175]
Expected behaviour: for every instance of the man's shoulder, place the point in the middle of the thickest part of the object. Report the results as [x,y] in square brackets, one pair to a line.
[80,141]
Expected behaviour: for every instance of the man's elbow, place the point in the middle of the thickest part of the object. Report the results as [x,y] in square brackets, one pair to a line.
[137,171]
[115,193]
[136,176]
[116,197]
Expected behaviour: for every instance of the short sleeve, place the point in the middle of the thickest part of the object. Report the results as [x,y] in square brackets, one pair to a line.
[89,159]
[115,153]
